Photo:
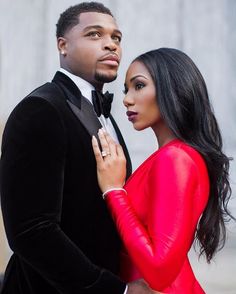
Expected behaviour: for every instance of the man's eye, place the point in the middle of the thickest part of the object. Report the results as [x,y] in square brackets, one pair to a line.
[93,34]
[117,39]
[139,86]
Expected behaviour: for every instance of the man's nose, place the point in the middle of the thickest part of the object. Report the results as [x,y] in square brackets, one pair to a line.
[110,44]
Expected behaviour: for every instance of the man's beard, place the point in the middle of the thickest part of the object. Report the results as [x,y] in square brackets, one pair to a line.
[100,77]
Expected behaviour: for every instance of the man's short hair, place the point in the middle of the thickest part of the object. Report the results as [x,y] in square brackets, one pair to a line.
[70,17]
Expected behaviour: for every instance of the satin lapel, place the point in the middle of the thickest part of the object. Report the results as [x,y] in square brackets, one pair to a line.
[79,105]
[86,116]
[122,143]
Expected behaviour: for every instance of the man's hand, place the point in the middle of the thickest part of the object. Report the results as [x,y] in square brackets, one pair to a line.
[140,287]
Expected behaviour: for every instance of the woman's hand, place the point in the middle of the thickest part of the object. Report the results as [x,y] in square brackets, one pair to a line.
[111,162]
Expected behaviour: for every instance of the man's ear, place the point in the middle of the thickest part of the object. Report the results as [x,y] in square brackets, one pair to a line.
[61,45]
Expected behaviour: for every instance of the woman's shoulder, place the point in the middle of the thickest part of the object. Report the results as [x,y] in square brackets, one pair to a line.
[179,152]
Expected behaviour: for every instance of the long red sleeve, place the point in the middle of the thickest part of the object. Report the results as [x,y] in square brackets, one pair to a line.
[176,192]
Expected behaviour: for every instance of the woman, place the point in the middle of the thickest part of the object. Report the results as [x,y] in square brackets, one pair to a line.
[180,193]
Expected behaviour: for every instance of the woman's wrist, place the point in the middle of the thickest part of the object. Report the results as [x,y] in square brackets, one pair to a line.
[112,189]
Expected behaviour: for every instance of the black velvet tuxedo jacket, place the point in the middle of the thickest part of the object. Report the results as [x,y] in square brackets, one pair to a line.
[57,224]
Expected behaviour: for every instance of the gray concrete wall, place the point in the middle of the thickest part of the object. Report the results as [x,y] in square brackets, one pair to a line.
[204,29]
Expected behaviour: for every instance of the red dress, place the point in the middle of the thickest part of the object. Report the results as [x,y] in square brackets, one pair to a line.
[157,219]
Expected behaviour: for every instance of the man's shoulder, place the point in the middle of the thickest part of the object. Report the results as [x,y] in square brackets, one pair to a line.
[47,94]
[44,104]
[46,91]
[46,98]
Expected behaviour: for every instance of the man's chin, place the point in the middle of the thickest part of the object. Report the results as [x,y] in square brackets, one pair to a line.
[105,78]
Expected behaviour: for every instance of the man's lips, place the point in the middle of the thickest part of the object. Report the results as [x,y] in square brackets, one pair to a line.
[131,115]
[110,59]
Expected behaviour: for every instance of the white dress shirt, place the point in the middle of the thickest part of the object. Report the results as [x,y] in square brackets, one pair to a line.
[86,90]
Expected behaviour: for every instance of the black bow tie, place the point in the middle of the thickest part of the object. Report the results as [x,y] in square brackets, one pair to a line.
[102,103]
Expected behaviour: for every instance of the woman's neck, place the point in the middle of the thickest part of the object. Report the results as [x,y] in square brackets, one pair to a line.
[164,135]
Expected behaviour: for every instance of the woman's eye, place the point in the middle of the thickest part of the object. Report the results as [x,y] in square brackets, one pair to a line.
[125,91]
[139,86]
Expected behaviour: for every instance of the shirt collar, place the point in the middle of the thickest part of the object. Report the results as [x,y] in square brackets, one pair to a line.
[84,86]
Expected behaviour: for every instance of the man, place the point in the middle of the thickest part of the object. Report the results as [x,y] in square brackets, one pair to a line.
[57,224]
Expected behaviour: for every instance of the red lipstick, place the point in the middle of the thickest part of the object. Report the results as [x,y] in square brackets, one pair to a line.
[131,115]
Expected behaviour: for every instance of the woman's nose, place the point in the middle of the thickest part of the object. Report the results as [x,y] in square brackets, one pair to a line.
[127,101]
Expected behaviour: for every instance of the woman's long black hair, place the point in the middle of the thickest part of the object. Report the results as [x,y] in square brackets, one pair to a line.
[184,104]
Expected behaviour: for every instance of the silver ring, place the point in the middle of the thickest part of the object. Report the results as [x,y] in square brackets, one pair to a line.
[105,153]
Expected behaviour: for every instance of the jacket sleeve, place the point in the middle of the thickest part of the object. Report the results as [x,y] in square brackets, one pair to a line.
[31,176]
[159,248]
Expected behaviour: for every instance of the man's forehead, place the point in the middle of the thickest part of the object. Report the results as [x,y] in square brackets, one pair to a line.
[89,19]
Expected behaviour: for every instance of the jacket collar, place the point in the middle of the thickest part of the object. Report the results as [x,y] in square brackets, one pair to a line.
[84,86]
[69,88]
